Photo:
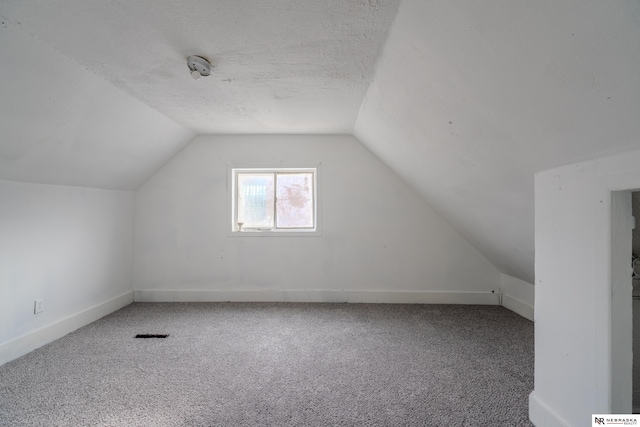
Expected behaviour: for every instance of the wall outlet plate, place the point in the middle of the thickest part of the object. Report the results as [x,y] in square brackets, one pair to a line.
[38,306]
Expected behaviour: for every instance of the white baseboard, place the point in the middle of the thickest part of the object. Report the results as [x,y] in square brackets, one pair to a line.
[541,415]
[520,307]
[390,297]
[518,296]
[24,344]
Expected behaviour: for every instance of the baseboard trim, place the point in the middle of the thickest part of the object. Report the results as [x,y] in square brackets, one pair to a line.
[390,297]
[541,415]
[26,343]
[518,306]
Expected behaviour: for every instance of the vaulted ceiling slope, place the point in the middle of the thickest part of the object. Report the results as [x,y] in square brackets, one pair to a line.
[470,99]
[61,124]
[281,66]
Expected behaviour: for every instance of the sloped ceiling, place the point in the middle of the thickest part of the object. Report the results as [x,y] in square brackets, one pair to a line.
[465,100]
[281,66]
[470,99]
[61,124]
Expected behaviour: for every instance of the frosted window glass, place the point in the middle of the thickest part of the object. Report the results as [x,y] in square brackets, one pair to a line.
[294,193]
[255,200]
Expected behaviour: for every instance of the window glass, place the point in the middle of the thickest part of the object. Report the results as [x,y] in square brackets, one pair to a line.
[294,194]
[255,200]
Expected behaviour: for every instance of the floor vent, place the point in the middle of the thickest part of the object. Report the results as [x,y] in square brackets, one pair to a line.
[152,335]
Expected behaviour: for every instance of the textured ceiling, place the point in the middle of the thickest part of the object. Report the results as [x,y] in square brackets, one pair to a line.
[281,66]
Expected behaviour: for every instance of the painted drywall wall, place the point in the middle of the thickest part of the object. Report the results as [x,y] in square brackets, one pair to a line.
[583,290]
[71,246]
[380,241]
[62,124]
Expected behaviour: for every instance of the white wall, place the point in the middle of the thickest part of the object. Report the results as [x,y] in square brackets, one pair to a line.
[583,290]
[71,246]
[380,241]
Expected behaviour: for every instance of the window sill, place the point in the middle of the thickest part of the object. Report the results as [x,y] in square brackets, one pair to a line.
[274,233]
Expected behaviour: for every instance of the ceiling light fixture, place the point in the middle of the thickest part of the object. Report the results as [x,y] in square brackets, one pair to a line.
[198,66]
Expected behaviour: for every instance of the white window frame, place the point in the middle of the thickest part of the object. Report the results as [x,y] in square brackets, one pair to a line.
[263,232]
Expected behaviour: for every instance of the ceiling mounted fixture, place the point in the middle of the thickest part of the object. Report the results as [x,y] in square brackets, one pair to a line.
[199,66]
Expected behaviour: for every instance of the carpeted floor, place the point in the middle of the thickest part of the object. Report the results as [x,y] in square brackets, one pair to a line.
[279,364]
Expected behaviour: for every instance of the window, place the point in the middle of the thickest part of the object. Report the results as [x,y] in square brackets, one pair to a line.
[274,200]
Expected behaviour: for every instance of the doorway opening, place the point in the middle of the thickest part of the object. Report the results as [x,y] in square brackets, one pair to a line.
[635,263]
[620,295]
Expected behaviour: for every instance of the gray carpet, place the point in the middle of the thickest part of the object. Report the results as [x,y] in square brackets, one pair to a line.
[279,364]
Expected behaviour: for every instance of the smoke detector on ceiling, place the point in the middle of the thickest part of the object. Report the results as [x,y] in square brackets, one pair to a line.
[198,66]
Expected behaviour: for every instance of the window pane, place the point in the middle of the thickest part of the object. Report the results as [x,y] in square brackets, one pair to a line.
[255,200]
[295,200]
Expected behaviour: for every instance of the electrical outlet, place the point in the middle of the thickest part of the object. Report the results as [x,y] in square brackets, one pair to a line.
[38,306]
